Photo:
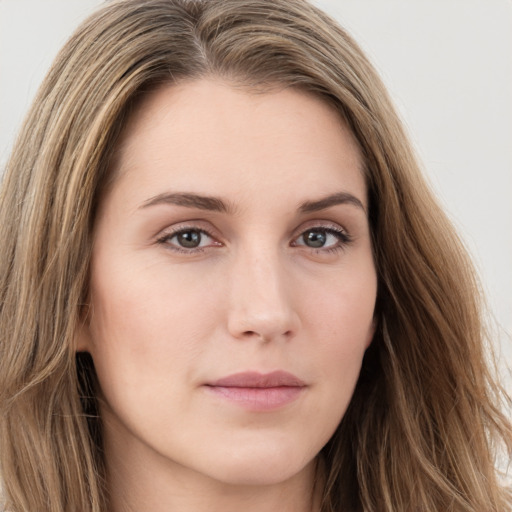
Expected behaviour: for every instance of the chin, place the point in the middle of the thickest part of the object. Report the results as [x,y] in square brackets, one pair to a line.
[262,468]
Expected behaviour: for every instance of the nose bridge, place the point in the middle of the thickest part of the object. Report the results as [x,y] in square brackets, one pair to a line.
[260,299]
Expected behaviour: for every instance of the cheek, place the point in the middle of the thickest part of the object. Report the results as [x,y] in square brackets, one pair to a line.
[143,302]
[342,307]
[144,328]
[341,322]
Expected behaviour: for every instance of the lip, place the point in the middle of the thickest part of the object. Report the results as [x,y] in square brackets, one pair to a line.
[256,391]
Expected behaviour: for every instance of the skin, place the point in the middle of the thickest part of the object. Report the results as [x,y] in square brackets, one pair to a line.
[255,295]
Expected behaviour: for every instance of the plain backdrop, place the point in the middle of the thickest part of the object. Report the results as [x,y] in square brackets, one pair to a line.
[447,64]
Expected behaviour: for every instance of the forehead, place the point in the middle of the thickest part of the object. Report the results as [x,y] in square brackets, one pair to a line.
[206,134]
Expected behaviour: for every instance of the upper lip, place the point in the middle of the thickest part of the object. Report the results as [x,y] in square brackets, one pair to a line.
[258,380]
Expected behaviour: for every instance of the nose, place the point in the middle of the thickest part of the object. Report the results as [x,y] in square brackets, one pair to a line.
[261,305]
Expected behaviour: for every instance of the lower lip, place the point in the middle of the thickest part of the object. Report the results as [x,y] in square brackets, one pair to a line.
[258,399]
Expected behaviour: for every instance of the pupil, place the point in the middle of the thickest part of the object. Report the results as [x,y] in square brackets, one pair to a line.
[189,239]
[315,238]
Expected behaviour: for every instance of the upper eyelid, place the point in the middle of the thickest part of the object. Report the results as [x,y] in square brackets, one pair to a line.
[321,224]
[185,226]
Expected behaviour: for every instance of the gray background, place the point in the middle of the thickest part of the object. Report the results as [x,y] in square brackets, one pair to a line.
[448,65]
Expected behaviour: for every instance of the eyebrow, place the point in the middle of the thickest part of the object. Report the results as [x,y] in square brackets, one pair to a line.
[216,204]
[331,200]
[189,200]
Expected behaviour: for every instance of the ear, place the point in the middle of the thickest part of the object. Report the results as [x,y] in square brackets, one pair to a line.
[82,338]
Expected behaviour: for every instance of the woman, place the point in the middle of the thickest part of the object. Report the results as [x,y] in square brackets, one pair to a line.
[224,284]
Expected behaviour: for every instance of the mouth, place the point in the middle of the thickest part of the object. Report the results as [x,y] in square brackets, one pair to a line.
[258,392]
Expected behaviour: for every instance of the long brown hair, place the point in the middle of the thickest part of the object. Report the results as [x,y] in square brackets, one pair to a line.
[424,424]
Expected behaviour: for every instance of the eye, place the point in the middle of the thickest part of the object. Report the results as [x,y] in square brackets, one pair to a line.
[188,240]
[316,238]
[323,238]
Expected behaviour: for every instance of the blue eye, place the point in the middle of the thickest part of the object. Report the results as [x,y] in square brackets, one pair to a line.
[323,238]
[187,239]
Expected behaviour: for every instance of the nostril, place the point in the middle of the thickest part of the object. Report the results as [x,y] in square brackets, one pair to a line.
[254,334]
[264,336]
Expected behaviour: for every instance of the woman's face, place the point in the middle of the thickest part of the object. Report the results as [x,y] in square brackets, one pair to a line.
[232,283]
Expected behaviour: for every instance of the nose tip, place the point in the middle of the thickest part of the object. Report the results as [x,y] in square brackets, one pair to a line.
[260,325]
[261,304]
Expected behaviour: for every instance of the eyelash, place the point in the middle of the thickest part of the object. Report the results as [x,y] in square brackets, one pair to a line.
[166,237]
[344,239]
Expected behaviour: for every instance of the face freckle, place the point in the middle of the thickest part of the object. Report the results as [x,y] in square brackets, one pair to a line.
[232,284]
